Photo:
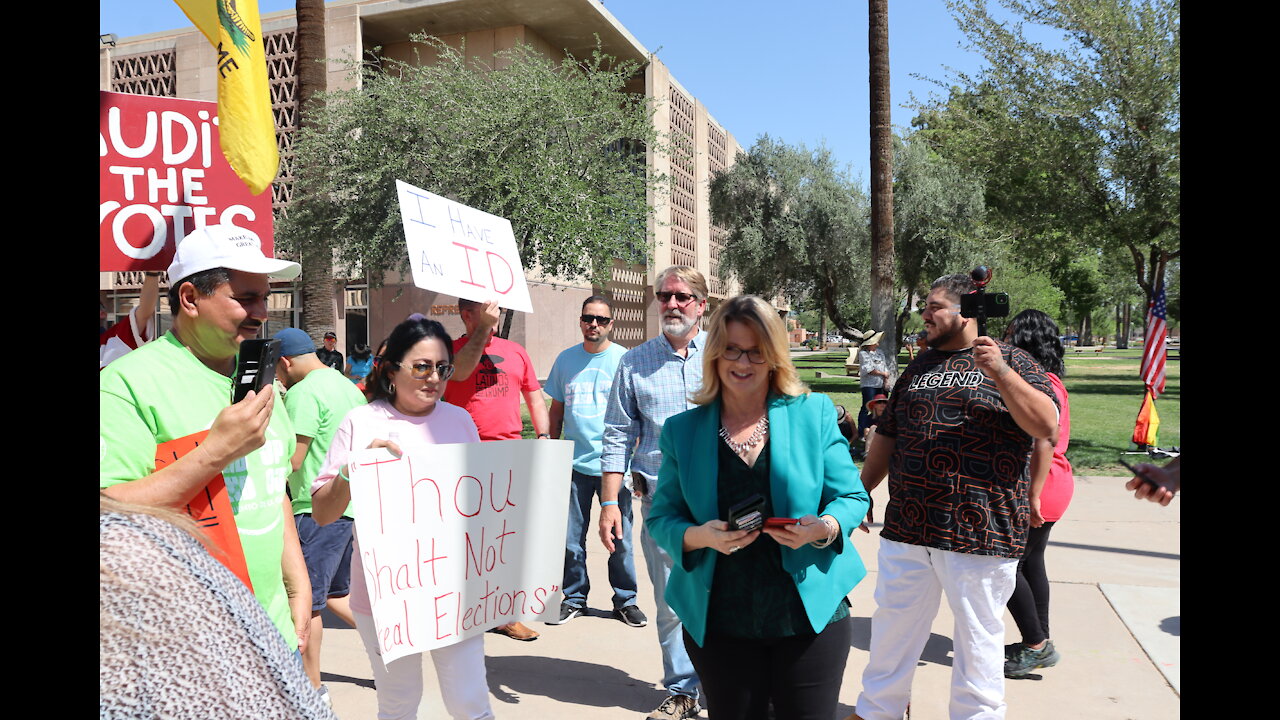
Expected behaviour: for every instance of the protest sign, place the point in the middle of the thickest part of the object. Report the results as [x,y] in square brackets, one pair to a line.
[460,538]
[210,508]
[461,251]
[161,175]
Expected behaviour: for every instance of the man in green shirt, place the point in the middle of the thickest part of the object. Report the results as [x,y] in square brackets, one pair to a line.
[318,397]
[180,385]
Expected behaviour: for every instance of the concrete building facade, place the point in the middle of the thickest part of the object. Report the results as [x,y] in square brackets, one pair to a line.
[181,63]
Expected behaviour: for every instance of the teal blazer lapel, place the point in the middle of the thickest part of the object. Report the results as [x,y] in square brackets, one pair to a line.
[779,457]
[701,482]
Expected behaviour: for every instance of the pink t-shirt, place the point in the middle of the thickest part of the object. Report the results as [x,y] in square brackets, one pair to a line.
[492,392]
[1060,485]
[376,421]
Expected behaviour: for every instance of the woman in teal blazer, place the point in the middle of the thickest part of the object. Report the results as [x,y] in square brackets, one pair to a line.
[764,610]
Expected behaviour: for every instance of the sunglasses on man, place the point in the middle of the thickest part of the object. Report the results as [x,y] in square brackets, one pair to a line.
[597,319]
[682,298]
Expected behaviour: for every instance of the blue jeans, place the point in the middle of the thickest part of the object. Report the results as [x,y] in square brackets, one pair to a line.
[622,566]
[678,675]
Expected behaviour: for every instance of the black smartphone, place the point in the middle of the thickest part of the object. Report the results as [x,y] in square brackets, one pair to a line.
[748,514]
[1139,475]
[255,367]
[992,305]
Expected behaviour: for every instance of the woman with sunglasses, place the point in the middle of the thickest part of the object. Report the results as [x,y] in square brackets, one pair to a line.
[405,412]
[764,606]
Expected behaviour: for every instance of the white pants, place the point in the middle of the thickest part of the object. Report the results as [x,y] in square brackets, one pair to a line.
[911,581]
[459,669]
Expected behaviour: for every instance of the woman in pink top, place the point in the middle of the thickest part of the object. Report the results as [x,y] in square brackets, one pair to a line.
[1051,488]
[405,412]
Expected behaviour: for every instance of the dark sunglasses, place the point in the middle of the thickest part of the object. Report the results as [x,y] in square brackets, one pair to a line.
[597,319]
[423,370]
[682,298]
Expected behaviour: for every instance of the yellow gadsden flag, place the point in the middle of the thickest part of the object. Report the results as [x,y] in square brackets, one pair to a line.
[245,123]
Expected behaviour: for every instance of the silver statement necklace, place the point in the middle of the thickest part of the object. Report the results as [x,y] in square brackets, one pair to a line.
[744,447]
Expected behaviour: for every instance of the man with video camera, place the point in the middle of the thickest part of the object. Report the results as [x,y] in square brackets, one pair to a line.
[954,442]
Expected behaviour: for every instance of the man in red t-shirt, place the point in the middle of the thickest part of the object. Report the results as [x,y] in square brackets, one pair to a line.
[490,376]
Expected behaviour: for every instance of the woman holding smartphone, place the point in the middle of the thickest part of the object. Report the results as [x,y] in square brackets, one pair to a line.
[765,612]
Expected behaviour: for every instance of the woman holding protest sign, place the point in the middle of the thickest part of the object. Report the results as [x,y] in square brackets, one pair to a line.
[405,412]
[756,499]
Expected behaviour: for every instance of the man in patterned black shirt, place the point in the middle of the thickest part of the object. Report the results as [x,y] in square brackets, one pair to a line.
[955,441]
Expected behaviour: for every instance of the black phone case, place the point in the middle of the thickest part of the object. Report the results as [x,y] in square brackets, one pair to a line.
[748,514]
[255,367]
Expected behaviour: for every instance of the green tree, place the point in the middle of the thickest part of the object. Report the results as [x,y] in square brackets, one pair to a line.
[557,148]
[938,207]
[797,227]
[1084,139]
[1082,293]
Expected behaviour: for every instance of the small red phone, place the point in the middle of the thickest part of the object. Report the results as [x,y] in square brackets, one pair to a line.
[777,522]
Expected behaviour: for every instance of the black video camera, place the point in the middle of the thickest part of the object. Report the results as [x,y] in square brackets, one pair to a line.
[981,304]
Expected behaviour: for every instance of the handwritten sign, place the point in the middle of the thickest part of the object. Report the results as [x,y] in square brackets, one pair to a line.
[461,538]
[461,251]
[161,175]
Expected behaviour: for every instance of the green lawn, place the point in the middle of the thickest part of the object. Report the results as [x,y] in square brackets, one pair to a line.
[1104,391]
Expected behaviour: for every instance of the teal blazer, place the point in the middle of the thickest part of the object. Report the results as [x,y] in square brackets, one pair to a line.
[810,472]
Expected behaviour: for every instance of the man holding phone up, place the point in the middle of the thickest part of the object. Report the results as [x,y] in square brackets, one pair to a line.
[180,385]
[954,442]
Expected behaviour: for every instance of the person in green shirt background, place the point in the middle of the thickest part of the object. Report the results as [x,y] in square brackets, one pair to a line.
[317,398]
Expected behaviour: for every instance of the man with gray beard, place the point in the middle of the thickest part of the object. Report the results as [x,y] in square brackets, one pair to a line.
[655,381]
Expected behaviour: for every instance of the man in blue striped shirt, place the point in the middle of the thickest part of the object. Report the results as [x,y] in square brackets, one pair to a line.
[655,381]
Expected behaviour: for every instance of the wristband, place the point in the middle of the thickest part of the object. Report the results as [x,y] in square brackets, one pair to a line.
[544,435]
[344,477]
[603,503]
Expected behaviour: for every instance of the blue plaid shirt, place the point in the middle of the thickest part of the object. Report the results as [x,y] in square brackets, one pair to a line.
[653,383]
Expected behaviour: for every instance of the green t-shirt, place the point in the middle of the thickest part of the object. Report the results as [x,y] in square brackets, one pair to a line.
[160,392]
[316,407]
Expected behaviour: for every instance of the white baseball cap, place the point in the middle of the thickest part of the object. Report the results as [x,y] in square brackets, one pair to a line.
[226,246]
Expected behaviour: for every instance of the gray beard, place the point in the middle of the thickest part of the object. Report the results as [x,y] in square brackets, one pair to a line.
[670,328]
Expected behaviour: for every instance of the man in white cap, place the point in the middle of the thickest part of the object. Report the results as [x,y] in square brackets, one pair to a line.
[179,386]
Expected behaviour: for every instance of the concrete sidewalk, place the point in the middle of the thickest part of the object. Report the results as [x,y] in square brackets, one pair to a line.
[1114,563]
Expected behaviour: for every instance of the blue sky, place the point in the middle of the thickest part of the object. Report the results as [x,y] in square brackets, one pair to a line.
[796,70]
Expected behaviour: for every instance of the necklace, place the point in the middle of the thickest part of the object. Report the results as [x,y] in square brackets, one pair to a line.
[745,446]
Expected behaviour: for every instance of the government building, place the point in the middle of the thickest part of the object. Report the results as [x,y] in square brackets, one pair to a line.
[181,63]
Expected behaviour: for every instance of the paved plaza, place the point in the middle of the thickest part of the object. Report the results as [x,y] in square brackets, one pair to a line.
[1116,619]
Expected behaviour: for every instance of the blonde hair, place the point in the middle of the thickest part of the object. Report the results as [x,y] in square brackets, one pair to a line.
[764,321]
[690,275]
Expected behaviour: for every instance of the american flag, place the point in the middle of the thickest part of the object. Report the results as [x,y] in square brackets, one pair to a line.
[1153,350]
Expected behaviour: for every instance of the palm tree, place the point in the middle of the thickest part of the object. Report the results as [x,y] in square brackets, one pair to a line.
[316,260]
[882,305]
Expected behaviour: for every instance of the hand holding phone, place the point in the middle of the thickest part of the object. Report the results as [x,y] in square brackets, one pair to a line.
[1139,474]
